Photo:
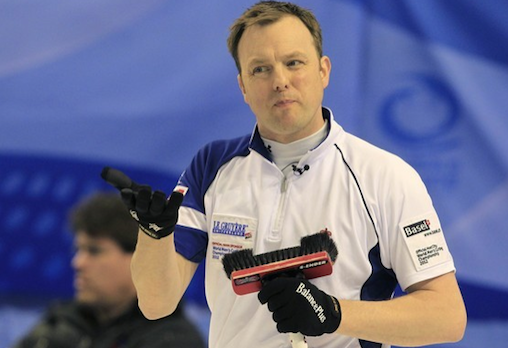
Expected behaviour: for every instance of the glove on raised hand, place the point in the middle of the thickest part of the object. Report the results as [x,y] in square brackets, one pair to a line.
[299,306]
[156,215]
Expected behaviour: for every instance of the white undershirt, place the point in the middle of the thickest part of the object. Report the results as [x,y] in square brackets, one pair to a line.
[286,155]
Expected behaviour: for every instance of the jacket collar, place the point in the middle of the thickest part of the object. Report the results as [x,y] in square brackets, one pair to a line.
[257,144]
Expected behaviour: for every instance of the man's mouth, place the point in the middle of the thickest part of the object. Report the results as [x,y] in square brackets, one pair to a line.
[284,102]
[79,282]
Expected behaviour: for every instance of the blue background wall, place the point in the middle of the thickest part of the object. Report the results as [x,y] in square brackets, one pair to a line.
[143,85]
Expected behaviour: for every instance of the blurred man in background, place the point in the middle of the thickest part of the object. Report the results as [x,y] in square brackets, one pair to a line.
[104,312]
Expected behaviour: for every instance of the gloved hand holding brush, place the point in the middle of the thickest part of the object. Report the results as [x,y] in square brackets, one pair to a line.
[299,306]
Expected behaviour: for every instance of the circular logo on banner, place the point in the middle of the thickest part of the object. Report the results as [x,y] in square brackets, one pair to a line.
[422,111]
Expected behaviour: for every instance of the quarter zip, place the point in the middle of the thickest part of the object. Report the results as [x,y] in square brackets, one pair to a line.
[275,233]
[284,185]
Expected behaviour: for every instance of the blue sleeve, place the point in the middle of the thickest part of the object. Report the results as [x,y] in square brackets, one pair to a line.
[190,239]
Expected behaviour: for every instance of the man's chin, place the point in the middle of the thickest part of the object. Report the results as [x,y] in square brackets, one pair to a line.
[85,298]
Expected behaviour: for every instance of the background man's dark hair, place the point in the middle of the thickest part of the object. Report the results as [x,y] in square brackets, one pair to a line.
[104,215]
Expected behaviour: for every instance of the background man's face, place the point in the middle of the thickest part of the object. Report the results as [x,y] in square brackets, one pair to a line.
[102,271]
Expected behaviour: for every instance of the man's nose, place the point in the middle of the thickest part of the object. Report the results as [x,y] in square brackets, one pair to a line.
[78,260]
[280,79]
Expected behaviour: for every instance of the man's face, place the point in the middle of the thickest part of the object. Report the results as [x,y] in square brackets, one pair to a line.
[102,272]
[283,79]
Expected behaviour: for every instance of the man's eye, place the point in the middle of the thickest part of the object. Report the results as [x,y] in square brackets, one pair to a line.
[91,250]
[94,250]
[259,69]
[293,63]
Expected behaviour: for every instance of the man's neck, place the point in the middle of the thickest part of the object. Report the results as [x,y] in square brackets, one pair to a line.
[285,155]
[106,314]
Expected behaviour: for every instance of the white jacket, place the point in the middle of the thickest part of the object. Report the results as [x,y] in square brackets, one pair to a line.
[374,204]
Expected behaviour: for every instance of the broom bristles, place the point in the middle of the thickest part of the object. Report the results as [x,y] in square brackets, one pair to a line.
[314,243]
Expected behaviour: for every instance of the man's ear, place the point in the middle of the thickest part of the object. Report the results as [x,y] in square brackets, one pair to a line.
[325,69]
[242,87]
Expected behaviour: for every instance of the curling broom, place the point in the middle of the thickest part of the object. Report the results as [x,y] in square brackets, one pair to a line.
[313,258]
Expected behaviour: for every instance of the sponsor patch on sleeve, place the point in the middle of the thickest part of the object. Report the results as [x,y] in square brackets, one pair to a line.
[425,241]
[182,189]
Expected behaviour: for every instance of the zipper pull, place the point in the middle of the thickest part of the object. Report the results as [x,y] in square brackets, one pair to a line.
[284,185]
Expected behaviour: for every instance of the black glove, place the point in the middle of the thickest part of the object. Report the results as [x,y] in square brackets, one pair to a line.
[156,215]
[299,306]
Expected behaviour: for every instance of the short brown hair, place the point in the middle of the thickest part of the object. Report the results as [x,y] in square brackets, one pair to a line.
[105,215]
[267,12]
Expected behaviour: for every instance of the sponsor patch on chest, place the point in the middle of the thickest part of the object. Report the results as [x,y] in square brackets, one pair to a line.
[425,241]
[231,233]
[236,229]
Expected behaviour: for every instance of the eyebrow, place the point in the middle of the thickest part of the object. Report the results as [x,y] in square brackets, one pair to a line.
[295,54]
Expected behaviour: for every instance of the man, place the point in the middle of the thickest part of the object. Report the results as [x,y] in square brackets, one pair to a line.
[105,313]
[297,174]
